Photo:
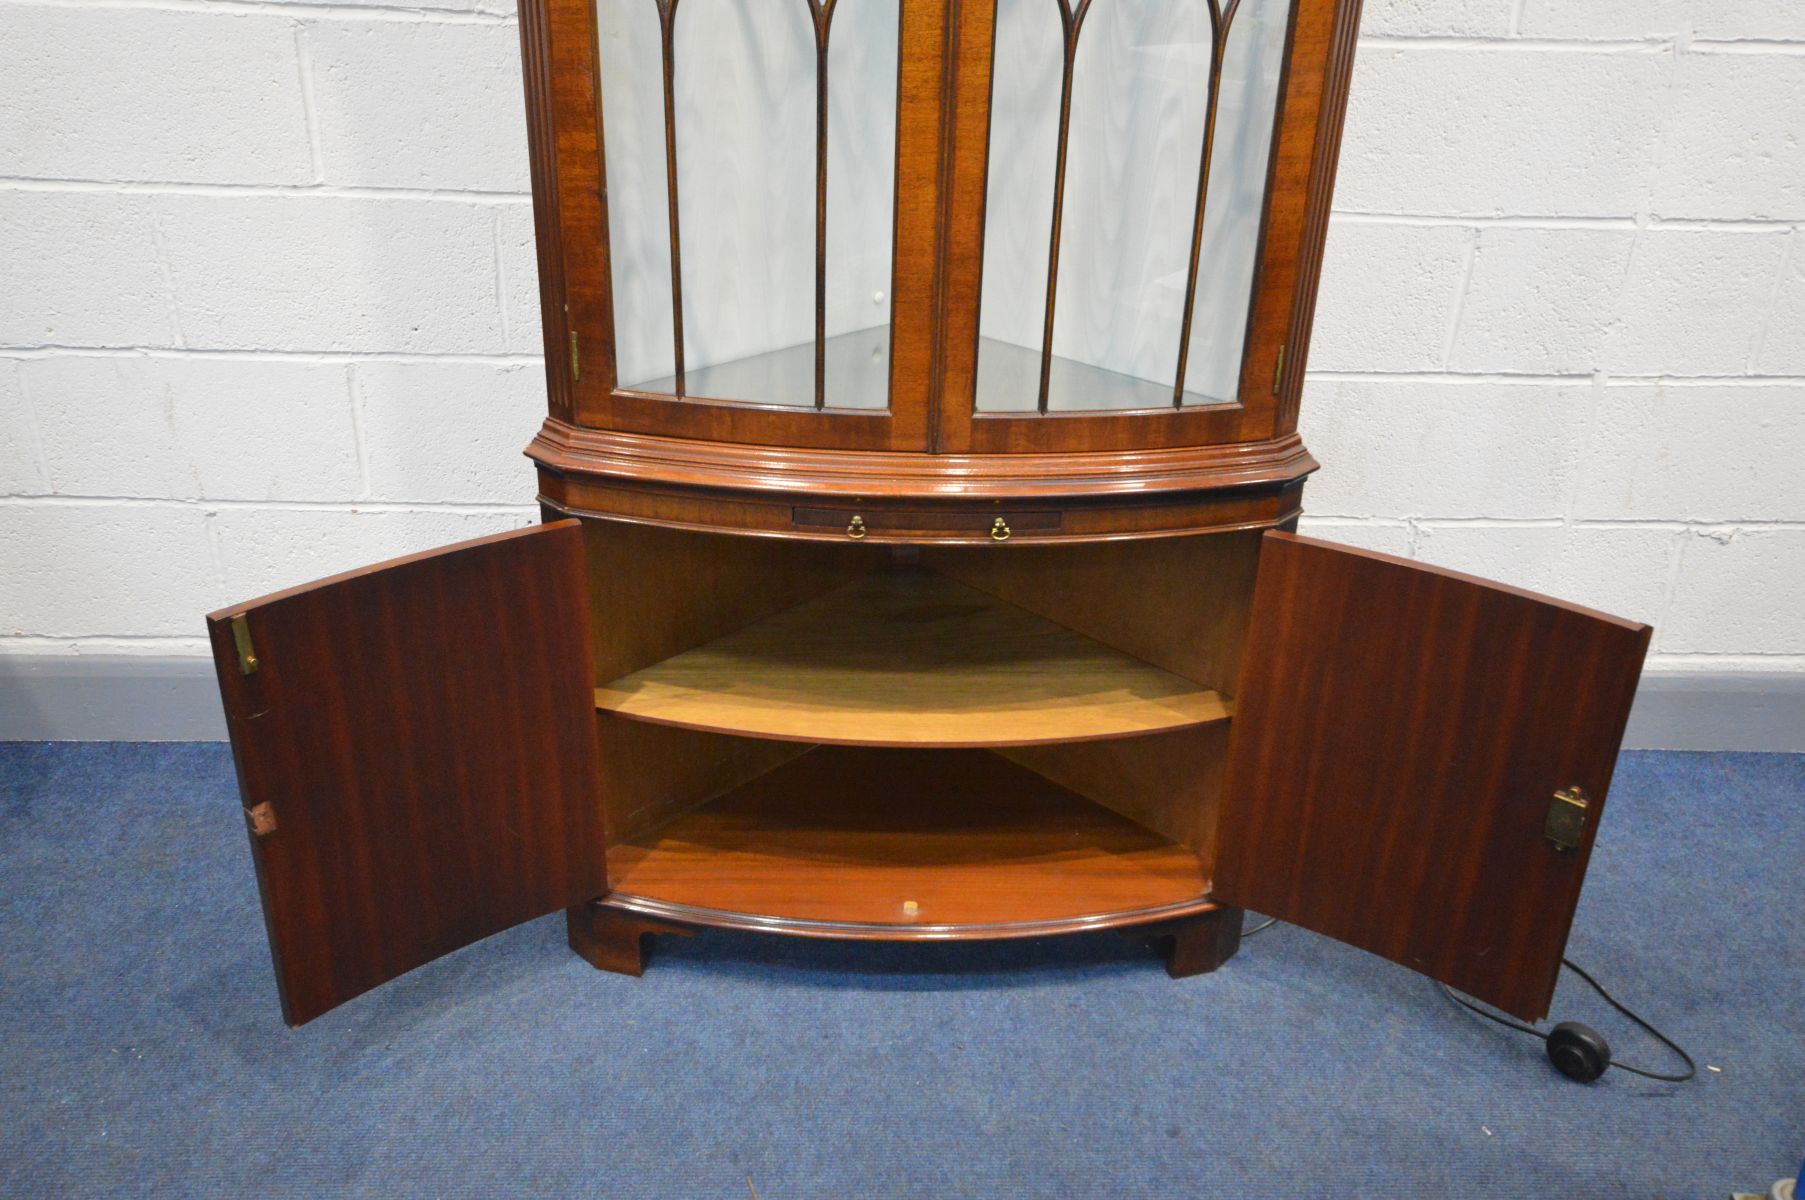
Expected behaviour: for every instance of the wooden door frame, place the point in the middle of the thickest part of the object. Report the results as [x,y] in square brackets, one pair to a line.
[561,58]
[1319,58]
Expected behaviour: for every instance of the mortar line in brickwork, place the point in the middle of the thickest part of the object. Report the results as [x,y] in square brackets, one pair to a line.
[208,504]
[1524,45]
[73,644]
[255,354]
[1566,221]
[368,13]
[1776,661]
[1612,379]
[1343,216]
[1745,46]
[1703,528]
[322,191]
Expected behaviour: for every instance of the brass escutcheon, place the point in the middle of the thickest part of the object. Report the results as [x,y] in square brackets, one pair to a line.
[855,528]
[999,530]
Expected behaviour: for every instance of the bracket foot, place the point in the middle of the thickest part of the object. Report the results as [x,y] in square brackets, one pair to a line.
[1198,945]
[612,940]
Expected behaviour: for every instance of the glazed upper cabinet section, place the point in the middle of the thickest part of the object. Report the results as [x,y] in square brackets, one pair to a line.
[982,225]
[750,157]
[730,219]
[1140,194]
[1129,144]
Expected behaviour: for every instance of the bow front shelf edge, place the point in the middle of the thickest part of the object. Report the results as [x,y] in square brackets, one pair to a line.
[919,478]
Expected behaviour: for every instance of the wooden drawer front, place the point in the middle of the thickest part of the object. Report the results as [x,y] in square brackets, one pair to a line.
[963,525]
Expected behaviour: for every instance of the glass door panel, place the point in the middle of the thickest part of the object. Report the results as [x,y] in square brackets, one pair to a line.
[1112,280]
[862,58]
[750,150]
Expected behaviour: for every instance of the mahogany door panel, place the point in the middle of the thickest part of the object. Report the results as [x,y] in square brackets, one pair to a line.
[1400,738]
[415,748]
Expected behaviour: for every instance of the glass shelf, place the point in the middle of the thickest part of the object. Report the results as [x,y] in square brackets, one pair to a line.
[1009,380]
[858,375]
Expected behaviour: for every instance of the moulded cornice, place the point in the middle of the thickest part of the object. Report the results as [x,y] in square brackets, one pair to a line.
[737,467]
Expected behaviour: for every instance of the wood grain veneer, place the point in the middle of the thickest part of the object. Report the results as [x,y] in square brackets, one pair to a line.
[1179,603]
[1401,731]
[1170,783]
[416,757]
[650,773]
[911,658]
[655,592]
[908,842]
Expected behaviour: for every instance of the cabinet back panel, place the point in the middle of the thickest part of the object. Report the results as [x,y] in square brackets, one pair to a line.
[655,592]
[650,774]
[1170,783]
[907,843]
[1179,603]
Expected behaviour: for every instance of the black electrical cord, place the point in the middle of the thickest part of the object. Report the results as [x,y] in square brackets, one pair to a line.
[1520,1027]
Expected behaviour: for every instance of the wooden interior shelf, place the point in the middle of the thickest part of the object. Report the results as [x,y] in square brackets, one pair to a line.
[910,844]
[910,658]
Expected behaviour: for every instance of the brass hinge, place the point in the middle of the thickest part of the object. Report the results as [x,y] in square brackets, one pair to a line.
[1278,368]
[241,640]
[1567,817]
[576,364]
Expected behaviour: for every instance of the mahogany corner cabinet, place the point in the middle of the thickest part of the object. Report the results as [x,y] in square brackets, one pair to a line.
[918,483]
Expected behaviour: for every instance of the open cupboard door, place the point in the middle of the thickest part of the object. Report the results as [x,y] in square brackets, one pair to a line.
[1419,761]
[415,746]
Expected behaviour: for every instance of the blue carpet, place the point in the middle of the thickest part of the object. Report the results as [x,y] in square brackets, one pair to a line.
[141,1051]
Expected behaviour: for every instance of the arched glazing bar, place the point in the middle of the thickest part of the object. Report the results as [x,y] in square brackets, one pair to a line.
[821,16]
[1071,18]
[1221,18]
[667,32]
[1071,24]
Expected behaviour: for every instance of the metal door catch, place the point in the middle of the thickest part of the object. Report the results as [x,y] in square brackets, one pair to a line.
[1567,817]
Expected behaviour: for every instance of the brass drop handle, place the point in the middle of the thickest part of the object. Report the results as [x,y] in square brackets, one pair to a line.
[999,530]
[855,529]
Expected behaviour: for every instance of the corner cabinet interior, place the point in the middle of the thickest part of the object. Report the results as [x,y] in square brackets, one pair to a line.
[921,456]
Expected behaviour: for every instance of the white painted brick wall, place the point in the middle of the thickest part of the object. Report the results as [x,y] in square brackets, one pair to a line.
[270,308]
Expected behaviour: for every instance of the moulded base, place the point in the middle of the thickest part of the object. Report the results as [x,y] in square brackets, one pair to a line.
[898,845]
